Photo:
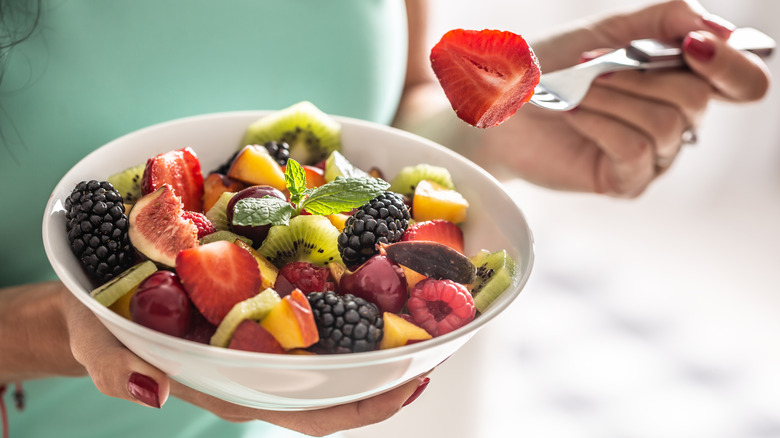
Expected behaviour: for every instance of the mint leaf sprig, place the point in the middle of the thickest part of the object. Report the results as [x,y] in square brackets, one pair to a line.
[339,195]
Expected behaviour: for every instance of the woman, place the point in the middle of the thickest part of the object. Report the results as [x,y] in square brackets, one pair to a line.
[92,71]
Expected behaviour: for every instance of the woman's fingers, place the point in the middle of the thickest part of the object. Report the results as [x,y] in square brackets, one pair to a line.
[624,164]
[681,89]
[318,422]
[115,370]
[661,122]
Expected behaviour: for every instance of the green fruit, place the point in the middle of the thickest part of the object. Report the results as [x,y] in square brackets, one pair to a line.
[223,235]
[406,180]
[128,183]
[311,134]
[255,308]
[494,275]
[308,238]
[337,165]
[217,214]
[108,293]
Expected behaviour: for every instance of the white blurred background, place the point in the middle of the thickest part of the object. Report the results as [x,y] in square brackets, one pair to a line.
[654,317]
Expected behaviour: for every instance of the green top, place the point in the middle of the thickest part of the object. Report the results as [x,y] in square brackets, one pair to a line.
[97,69]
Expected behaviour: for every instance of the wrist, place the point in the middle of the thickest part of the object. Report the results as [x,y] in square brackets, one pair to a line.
[34,340]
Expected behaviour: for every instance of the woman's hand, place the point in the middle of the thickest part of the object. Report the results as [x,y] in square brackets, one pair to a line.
[119,373]
[630,127]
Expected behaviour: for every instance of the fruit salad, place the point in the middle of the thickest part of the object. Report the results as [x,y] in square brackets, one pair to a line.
[285,248]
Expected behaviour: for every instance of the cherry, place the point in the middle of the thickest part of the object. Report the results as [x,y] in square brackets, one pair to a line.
[379,281]
[161,303]
[258,233]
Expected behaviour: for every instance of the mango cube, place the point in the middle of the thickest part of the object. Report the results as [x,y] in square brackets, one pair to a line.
[434,201]
[255,166]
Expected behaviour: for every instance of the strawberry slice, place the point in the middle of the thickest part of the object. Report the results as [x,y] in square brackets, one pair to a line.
[487,75]
[437,230]
[218,275]
[180,169]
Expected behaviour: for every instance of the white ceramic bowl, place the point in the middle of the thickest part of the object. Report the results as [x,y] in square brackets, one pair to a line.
[292,382]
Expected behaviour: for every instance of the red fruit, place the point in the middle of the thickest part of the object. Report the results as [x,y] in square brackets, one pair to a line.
[217,276]
[251,336]
[161,304]
[200,329]
[437,230]
[306,276]
[256,233]
[205,227]
[487,75]
[180,169]
[157,229]
[379,281]
[440,306]
[282,286]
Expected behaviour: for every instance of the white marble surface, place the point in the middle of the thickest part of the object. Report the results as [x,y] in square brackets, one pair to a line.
[655,317]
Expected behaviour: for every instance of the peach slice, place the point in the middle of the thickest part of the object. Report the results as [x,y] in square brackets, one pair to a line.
[433,201]
[399,332]
[291,322]
[255,166]
[215,185]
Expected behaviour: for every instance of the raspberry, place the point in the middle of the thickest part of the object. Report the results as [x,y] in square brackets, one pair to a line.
[440,306]
[307,277]
[205,227]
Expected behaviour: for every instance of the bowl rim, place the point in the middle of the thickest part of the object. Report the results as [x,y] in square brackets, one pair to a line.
[293,361]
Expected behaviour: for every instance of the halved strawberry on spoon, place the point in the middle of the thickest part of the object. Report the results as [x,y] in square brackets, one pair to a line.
[487,75]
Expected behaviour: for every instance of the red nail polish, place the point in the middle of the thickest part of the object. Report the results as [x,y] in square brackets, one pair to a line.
[698,47]
[719,26]
[417,391]
[144,389]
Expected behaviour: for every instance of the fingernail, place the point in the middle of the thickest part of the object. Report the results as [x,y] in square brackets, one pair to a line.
[589,56]
[144,389]
[719,26]
[417,392]
[698,47]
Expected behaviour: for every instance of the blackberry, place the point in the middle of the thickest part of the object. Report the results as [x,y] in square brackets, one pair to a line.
[382,220]
[346,323]
[279,150]
[97,229]
[225,167]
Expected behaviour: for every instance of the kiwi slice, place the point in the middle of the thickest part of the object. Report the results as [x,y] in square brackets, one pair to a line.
[337,165]
[307,238]
[255,308]
[311,134]
[217,214]
[128,183]
[223,235]
[495,271]
[128,280]
[407,179]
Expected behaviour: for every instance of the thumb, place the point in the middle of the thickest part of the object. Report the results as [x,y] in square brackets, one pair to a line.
[114,369]
[668,21]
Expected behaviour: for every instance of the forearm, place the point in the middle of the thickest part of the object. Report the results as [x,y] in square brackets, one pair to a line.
[34,340]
